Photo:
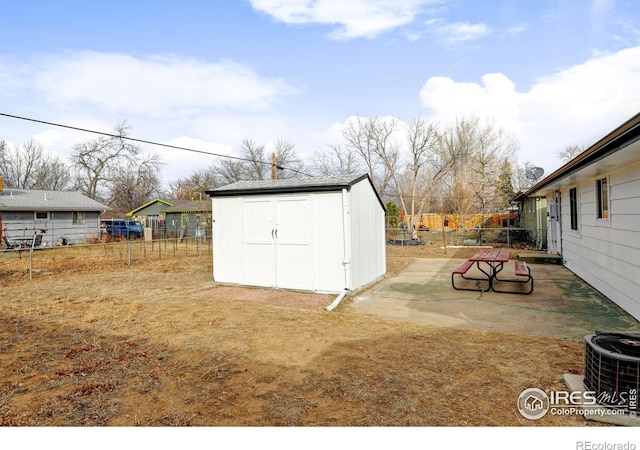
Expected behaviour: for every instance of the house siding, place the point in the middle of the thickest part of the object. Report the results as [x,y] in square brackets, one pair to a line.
[606,253]
[18,224]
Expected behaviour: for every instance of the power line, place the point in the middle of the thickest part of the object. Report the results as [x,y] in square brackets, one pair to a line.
[144,141]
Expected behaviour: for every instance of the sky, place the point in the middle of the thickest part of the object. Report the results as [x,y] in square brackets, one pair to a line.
[207,75]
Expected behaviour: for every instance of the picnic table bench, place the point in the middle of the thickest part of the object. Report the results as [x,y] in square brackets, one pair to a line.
[493,264]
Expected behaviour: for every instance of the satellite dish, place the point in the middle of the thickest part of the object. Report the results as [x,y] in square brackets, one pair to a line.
[534,173]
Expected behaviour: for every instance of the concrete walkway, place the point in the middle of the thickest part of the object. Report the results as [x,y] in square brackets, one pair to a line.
[561,305]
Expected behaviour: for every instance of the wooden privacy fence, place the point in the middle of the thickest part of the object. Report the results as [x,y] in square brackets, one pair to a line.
[455,221]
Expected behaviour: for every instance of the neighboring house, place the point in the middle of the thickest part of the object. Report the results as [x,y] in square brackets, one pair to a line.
[532,216]
[317,234]
[61,216]
[188,218]
[594,215]
[175,218]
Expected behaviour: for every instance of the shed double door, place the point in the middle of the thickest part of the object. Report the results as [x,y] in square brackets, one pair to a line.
[278,242]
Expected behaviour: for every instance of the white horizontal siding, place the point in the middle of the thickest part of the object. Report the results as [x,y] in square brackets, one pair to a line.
[329,241]
[606,253]
[227,240]
[368,246]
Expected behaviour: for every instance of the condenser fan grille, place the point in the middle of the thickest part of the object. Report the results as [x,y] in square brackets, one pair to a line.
[612,369]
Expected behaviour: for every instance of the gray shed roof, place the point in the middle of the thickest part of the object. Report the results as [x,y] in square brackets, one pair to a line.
[35,200]
[288,185]
[291,185]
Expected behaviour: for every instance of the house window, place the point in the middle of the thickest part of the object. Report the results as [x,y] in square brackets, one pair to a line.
[602,191]
[42,215]
[573,206]
[78,218]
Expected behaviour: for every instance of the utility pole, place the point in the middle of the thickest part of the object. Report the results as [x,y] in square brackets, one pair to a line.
[274,170]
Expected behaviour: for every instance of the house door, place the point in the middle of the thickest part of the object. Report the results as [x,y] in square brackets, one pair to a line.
[555,224]
[277,242]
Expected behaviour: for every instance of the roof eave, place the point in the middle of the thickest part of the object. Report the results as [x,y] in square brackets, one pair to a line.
[611,143]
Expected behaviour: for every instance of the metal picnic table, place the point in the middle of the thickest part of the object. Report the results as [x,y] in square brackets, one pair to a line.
[492,264]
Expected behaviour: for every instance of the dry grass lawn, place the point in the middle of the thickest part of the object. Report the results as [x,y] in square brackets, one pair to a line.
[91,341]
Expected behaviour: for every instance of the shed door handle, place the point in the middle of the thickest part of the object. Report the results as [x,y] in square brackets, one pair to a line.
[276,233]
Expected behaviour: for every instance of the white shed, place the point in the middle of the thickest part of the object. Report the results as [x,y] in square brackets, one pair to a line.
[316,234]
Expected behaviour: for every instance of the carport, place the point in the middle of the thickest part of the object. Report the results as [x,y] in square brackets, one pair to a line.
[562,305]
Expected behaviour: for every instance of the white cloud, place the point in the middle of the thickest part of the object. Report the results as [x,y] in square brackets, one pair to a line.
[497,98]
[215,104]
[49,138]
[577,105]
[454,33]
[155,85]
[517,29]
[354,18]
[181,164]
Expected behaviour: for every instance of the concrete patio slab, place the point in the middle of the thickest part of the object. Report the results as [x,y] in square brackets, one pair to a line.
[561,305]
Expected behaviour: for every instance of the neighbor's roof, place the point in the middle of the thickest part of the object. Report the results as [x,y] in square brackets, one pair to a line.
[36,200]
[188,206]
[291,186]
[155,200]
[172,206]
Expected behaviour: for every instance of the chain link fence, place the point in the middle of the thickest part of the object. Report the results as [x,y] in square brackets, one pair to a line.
[33,260]
[508,237]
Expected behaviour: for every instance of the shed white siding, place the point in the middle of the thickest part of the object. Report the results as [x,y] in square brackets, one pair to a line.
[326,240]
[606,252]
[329,252]
[367,220]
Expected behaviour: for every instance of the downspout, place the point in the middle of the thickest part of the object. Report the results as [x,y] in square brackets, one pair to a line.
[346,246]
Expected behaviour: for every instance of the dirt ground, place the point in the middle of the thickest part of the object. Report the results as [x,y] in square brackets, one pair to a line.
[95,342]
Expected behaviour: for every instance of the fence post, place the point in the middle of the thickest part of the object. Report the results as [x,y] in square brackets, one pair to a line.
[129,251]
[31,263]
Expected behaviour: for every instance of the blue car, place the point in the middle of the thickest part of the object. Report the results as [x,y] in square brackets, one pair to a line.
[128,229]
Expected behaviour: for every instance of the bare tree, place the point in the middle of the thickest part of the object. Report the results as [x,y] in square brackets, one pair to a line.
[194,186]
[229,171]
[135,182]
[570,152]
[111,169]
[254,164]
[477,152]
[30,167]
[337,160]
[415,183]
[373,139]
[288,165]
